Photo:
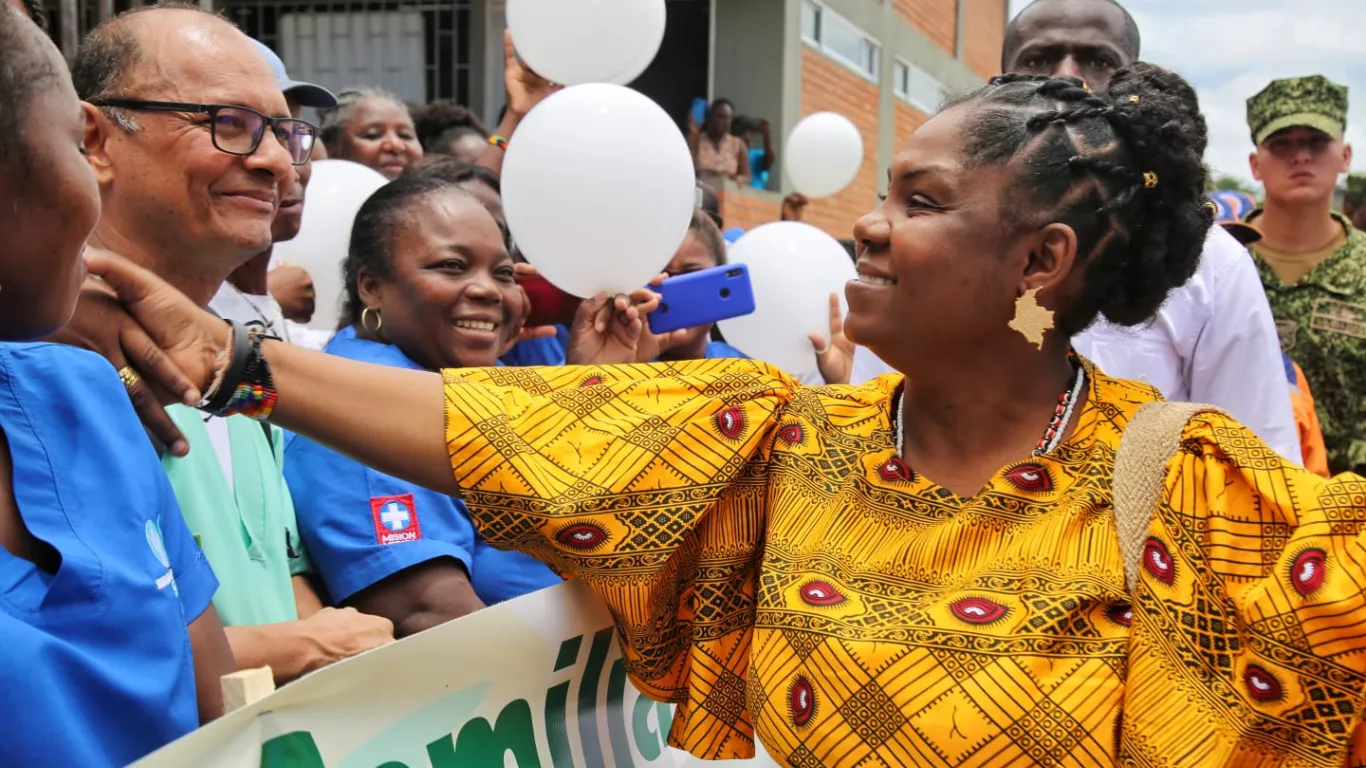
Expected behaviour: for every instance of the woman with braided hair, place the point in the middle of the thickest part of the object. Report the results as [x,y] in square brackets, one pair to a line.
[1002,556]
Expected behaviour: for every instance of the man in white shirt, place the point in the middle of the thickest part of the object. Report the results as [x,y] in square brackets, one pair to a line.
[1214,340]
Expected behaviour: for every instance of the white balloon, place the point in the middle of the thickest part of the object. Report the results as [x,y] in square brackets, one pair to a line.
[793,268]
[598,189]
[335,194]
[824,153]
[587,41]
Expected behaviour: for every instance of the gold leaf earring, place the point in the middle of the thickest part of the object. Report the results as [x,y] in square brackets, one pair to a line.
[1032,320]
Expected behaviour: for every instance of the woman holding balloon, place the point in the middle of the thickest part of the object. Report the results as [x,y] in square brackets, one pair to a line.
[953,562]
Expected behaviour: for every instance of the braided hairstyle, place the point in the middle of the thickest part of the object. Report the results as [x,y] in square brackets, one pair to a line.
[375,229]
[1123,169]
[26,69]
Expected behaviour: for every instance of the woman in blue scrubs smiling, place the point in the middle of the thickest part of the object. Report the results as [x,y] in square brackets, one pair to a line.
[103,593]
[429,285]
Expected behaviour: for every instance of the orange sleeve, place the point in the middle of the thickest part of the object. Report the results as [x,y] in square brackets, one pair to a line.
[1312,448]
[649,484]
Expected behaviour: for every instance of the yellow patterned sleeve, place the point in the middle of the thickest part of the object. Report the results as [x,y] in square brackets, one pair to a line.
[1248,641]
[648,483]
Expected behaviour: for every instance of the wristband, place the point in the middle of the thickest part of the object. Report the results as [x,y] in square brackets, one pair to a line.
[255,394]
[499,142]
[225,383]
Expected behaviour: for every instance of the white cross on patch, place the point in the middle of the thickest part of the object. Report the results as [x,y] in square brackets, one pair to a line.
[394,516]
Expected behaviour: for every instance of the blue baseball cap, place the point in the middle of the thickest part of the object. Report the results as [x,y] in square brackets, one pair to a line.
[307,94]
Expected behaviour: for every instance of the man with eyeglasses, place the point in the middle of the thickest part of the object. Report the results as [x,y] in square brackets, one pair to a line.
[1311,259]
[194,149]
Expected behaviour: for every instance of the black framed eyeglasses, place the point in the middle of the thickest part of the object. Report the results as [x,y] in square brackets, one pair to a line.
[236,130]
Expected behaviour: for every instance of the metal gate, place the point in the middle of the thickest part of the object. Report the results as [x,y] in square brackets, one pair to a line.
[420,50]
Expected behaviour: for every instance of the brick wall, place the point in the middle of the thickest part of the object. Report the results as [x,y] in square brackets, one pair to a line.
[985,29]
[908,119]
[830,87]
[936,19]
[748,207]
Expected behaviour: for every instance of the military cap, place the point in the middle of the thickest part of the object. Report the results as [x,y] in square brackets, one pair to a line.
[1311,102]
[1356,189]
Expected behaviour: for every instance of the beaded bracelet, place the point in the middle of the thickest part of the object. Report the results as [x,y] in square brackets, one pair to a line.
[499,142]
[254,395]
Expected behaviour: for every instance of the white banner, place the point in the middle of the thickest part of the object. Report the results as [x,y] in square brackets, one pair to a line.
[536,682]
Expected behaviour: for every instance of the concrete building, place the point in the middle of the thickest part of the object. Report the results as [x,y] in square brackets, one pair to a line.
[884,64]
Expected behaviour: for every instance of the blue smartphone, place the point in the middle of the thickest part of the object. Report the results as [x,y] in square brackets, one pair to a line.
[699,110]
[702,298]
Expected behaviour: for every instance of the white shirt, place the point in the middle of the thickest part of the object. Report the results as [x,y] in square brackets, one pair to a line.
[250,309]
[1213,341]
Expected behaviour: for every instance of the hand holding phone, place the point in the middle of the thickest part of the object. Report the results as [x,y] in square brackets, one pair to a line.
[702,298]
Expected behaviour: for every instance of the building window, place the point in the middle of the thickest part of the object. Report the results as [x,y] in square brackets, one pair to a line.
[839,39]
[917,87]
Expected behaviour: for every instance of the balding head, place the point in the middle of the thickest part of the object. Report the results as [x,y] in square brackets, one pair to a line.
[1087,39]
[173,199]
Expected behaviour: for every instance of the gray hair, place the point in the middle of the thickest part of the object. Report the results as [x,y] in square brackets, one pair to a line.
[332,121]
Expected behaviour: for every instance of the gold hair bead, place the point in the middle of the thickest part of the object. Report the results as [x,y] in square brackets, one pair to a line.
[1150,180]
[1214,209]
[1133,99]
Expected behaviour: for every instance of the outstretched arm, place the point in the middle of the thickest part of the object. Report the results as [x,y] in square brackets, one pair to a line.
[387,418]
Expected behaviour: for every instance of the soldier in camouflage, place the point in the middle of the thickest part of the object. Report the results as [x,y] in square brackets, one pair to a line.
[1312,260]
[1354,204]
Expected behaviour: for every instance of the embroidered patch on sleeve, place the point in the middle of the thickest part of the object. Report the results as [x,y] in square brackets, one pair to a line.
[395,519]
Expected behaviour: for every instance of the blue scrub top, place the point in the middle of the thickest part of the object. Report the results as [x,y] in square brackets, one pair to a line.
[549,351]
[96,668]
[720,349]
[361,526]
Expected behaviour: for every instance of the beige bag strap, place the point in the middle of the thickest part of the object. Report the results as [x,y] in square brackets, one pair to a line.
[1150,440]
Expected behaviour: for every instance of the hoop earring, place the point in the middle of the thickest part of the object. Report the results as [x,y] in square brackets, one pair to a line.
[1032,320]
[365,315]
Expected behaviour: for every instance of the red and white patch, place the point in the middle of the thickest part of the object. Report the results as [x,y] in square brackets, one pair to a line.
[395,519]
[821,593]
[731,423]
[1261,685]
[1030,477]
[1306,572]
[1157,561]
[802,699]
[791,434]
[1122,615]
[894,469]
[591,381]
[977,610]
[582,536]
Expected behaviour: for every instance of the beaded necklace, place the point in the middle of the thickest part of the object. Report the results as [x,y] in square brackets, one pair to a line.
[1052,436]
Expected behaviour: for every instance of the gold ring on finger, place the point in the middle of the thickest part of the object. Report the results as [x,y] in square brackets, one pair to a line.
[129,377]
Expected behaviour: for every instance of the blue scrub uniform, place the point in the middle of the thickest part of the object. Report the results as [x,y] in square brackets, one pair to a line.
[95,668]
[720,349]
[361,526]
[550,351]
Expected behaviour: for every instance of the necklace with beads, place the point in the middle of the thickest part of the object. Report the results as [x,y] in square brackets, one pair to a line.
[1052,436]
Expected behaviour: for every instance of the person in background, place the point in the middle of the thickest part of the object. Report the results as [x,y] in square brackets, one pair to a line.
[525,89]
[1214,340]
[112,647]
[429,285]
[1231,207]
[447,128]
[192,201]
[255,293]
[1311,259]
[710,204]
[1354,202]
[702,248]
[761,158]
[372,127]
[718,154]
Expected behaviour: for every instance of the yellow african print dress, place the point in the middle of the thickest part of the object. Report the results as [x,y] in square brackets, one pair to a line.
[773,567]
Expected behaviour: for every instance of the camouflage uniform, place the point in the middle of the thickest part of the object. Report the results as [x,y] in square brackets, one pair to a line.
[1321,319]
[1356,189]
